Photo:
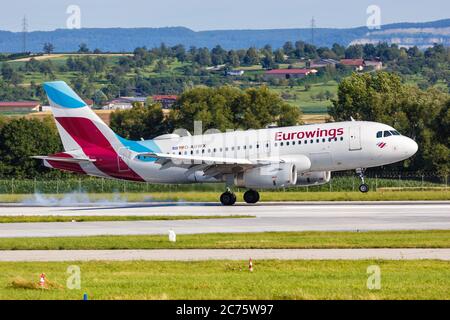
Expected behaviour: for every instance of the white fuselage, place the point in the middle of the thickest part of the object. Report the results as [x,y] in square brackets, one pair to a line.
[329,147]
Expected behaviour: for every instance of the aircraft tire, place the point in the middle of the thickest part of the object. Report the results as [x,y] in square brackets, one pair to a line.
[251,196]
[228,198]
[364,188]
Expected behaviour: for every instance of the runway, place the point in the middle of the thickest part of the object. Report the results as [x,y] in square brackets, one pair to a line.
[224,254]
[317,216]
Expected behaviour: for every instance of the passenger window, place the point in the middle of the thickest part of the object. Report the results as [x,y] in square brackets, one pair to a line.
[318,140]
[323,140]
[312,141]
[342,138]
[306,141]
[387,134]
[380,134]
[299,142]
[293,143]
[287,143]
[281,144]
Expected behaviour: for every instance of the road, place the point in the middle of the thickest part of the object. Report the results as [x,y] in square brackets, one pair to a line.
[343,216]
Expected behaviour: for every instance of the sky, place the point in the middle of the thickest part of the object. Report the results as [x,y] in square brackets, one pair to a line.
[214,15]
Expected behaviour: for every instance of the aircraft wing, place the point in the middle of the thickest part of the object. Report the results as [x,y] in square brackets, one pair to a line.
[184,160]
[61,159]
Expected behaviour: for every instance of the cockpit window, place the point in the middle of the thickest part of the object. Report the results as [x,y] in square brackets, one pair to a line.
[387,134]
[395,133]
[380,134]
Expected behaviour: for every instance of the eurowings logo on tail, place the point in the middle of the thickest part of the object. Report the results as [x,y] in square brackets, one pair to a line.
[90,145]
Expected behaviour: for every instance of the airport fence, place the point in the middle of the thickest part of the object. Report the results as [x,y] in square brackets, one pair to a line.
[339,182]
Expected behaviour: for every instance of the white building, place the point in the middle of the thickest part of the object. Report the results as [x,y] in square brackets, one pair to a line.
[123,103]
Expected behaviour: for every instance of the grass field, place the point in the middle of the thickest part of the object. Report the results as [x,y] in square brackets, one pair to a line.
[196,196]
[25,219]
[232,280]
[302,98]
[264,240]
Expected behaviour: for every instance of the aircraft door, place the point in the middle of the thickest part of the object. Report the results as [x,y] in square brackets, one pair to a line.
[355,138]
[123,159]
[264,149]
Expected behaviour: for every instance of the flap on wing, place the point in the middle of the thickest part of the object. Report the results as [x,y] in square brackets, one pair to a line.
[61,159]
[209,160]
[199,159]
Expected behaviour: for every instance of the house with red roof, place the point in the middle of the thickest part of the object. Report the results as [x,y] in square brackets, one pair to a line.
[293,73]
[166,101]
[357,64]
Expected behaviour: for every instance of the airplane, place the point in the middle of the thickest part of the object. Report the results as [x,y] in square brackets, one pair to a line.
[270,158]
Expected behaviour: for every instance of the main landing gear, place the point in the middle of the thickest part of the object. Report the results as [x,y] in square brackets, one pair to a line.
[251,196]
[228,198]
[364,188]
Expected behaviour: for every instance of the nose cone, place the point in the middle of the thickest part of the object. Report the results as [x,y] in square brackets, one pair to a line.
[410,147]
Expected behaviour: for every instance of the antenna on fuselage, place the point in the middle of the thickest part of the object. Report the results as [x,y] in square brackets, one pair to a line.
[351,118]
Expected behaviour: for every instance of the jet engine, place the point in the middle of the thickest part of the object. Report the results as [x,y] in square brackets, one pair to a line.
[316,178]
[268,177]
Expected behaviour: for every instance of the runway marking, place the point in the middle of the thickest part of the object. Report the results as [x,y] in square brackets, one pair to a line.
[224,254]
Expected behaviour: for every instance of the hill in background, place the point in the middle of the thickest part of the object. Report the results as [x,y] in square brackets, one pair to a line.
[127,39]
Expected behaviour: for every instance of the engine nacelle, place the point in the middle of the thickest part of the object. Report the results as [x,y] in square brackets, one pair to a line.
[316,178]
[273,176]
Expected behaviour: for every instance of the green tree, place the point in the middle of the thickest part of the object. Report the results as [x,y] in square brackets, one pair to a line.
[142,121]
[251,57]
[226,107]
[48,48]
[83,48]
[22,138]
[279,56]
[7,71]
[100,98]
[11,75]
[422,115]
[160,66]
[355,51]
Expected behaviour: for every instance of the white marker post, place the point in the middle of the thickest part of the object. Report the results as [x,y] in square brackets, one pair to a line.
[172,236]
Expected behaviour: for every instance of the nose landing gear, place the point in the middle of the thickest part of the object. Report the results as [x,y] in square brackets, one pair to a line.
[364,188]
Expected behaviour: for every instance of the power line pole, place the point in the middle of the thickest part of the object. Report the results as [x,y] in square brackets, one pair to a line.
[24,33]
[313,26]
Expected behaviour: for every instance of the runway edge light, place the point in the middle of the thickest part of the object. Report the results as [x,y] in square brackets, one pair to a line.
[250,265]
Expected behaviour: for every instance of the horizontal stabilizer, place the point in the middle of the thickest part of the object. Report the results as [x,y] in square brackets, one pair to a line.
[61,159]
